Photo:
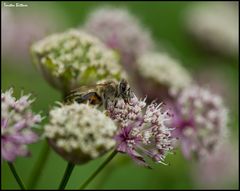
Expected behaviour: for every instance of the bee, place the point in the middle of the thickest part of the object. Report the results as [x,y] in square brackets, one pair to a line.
[101,93]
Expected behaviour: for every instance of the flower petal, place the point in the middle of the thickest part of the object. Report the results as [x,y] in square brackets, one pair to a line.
[7,151]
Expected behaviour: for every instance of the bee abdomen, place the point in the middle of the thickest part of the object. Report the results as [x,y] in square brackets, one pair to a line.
[91,97]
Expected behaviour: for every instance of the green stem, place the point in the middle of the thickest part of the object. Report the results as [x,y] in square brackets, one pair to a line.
[39,166]
[18,179]
[111,156]
[66,176]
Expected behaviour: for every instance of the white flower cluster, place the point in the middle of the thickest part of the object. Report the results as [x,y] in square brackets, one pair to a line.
[217,26]
[163,70]
[120,30]
[209,119]
[79,132]
[74,58]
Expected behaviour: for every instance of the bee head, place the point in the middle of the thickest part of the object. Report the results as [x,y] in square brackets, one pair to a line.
[125,90]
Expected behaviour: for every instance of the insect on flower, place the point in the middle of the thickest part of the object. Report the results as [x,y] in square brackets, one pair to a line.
[101,93]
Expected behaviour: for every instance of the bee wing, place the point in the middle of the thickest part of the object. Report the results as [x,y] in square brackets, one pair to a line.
[81,89]
[88,87]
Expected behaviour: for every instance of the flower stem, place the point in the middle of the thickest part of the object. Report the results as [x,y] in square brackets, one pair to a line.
[66,176]
[109,158]
[39,166]
[18,179]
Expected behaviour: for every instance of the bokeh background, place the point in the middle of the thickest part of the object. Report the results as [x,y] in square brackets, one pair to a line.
[22,26]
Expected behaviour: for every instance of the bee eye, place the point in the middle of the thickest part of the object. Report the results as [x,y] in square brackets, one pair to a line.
[123,87]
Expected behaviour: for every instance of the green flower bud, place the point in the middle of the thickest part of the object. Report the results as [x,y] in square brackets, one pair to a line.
[74,58]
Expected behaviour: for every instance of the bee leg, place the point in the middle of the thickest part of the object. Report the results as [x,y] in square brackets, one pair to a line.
[115,103]
[95,99]
[100,105]
[104,101]
[105,104]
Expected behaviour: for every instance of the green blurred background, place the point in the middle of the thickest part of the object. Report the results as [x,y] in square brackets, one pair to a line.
[165,20]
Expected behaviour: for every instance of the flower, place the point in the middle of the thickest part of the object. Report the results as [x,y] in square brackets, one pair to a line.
[219,170]
[120,30]
[201,120]
[159,74]
[73,58]
[142,133]
[17,121]
[79,132]
[215,26]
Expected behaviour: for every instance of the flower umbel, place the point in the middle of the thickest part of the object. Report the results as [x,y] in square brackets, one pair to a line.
[74,58]
[200,120]
[17,121]
[160,74]
[120,30]
[143,131]
[79,132]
